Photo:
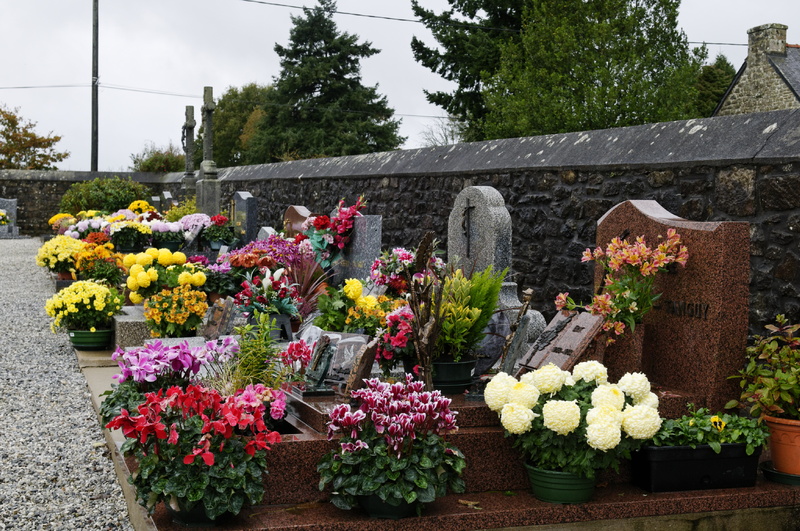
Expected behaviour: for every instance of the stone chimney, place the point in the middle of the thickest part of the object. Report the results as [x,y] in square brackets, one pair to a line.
[769,38]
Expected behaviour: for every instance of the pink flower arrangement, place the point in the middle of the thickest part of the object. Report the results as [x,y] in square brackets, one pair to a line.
[298,352]
[329,236]
[392,268]
[395,342]
[628,284]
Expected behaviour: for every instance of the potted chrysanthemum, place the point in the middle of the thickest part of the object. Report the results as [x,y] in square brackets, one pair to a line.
[86,310]
[569,425]
[58,254]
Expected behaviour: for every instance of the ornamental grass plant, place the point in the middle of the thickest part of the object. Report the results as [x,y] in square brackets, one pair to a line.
[84,305]
[575,422]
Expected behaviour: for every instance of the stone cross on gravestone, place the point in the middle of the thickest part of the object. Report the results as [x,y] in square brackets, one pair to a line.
[187,139]
[208,120]
[478,236]
[208,187]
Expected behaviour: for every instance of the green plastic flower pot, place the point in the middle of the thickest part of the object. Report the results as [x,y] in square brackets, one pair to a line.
[559,487]
[88,340]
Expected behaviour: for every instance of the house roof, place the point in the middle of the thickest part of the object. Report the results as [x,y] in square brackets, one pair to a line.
[788,67]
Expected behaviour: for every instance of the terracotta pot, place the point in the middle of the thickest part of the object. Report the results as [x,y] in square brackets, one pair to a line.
[784,444]
[64,275]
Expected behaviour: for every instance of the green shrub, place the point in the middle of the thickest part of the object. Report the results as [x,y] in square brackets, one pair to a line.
[107,195]
[184,208]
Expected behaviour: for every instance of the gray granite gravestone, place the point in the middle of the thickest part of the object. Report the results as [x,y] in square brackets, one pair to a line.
[9,230]
[361,252]
[265,232]
[245,212]
[167,201]
[155,202]
[478,236]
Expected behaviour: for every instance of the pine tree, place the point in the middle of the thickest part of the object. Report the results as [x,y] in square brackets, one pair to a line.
[469,36]
[712,84]
[319,106]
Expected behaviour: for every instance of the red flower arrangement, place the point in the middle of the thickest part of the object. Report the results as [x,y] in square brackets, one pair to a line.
[329,236]
[395,343]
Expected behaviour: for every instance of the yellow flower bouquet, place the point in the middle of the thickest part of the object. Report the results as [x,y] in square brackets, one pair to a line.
[575,422]
[58,254]
[158,269]
[84,305]
[175,312]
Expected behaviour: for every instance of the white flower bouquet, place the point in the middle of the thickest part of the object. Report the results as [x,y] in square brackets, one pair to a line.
[575,422]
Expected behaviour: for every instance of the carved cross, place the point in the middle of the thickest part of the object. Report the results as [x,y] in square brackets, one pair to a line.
[208,112]
[466,225]
[187,138]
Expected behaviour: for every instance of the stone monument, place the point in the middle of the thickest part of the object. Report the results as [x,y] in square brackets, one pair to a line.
[244,213]
[361,252]
[696,335]
[10,229]
[187,139]
[208,187]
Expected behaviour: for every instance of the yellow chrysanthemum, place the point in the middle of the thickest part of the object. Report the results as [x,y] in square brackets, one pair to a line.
[368,303]
[178,258]
[144,259]
[516,418]
[608,395]
[549,379]
[641,422]
[129,260]
[353,288]
[152,252]
[164,257]
[153,274]
[136,298]
[561,416]
[143,279]
[496,392]
[131,283]
[198,279]
[524,394]
[185,278]
[135,269]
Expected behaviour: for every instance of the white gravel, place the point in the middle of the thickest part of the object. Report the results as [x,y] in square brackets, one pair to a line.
[55,471]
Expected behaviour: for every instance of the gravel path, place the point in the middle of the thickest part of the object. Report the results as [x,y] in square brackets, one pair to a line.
[55,471]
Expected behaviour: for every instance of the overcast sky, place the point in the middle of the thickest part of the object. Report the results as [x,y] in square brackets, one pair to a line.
[176,47]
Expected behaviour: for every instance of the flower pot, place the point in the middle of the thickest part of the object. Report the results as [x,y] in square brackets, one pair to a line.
[64,275]
[671,468]
[88,340]
[784,444]
[215,245]
[171,245]
[191,515]
[453,377]
[559,487]
[375,507]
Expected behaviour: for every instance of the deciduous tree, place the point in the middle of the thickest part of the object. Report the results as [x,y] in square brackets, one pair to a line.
[21,148]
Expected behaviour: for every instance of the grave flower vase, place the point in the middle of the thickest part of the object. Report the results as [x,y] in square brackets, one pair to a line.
[559,487]
[375,507]
[215,245]
[187,514]
[453,377]
[784,444]
[625,353]
[173,246]
[88,340]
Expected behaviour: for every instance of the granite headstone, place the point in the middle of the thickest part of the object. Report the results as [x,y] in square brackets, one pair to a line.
[9,230]
[361,252]
[245,214]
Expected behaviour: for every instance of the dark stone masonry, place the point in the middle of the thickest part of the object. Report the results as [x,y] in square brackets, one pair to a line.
[556,187]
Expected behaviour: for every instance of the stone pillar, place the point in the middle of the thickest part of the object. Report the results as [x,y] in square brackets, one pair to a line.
[189,180]
[768,38]
[208,187]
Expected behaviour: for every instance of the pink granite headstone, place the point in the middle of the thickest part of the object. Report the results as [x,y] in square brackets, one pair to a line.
[696,335]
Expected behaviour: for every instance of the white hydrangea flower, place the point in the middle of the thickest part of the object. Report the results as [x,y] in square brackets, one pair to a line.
[651,400]
[496,393]
[561,416]
[549,379]
[524,394]
[641,422]
[603,435]
[590,371]
[604,413]
[608,395]
[517,418]
[635,385]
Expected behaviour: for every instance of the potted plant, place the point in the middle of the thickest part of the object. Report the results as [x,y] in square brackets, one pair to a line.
[201,453]
[271,293]
[58,255]
[86,310]
[168,235]
[99,262]
[219,232]
[701,451]
[630,273]
[350,309]
[158,269]
[395,344]
[570,425]
[393,268]
[329,236]
[129,236]
[770,384]
[219,281]
[175,312]
[393,456]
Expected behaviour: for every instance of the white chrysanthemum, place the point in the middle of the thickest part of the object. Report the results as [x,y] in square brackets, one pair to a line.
[549,379]
[640,422]
[527,378]
[516,418]
[608,395]
[524,394]
[651,400]
[635,385]
[603,435]
[590,371]
[561,416]
[604,413]
[496,393]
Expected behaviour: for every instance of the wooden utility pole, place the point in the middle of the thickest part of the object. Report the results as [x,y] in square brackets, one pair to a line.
[95,81]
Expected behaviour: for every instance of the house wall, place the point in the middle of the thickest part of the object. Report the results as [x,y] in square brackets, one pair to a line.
[556,187]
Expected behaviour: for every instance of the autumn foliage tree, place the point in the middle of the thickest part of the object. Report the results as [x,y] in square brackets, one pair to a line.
[21,148]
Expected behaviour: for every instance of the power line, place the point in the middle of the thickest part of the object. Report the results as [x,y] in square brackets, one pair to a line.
[75,85]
